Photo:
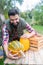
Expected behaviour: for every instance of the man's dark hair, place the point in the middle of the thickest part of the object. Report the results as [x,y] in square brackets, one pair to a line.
[13,11]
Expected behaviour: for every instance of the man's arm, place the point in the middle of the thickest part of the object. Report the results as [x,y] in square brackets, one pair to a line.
[5,37]
[31,31]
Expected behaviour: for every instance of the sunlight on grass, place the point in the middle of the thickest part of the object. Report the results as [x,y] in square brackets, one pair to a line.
[38,28]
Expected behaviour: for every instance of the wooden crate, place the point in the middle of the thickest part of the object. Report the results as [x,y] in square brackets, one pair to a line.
[36,43]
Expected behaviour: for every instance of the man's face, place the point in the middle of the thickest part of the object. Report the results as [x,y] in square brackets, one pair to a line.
[14,19]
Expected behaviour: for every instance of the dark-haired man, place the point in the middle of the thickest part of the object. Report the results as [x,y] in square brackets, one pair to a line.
[13,30]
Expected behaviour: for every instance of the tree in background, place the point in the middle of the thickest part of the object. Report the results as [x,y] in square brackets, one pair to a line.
[5,5]
[38,13]
[27,15]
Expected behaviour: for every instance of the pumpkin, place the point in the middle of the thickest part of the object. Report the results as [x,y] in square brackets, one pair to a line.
[26,43]
[22,45]
[15,47]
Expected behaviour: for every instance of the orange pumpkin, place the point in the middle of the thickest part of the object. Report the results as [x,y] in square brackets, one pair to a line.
[26,43]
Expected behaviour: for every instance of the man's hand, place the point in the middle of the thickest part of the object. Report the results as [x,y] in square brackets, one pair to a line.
[14,56]
[26,35]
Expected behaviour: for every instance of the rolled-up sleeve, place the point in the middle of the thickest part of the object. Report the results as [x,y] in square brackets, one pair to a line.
[5,34]
[29,28]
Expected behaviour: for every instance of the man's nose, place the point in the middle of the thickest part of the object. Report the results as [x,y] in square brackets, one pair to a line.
[17,20]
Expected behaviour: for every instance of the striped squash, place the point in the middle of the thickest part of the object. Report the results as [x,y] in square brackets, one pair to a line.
[15,46]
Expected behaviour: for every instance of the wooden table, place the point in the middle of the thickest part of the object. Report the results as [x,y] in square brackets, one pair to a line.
[32,57]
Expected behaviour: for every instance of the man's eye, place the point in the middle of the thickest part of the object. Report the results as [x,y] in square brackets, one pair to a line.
[16,18]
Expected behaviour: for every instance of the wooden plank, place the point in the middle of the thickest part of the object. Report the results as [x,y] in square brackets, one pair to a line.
[31,57]
[9,61]
[37,58]
[26,59]
[41,54]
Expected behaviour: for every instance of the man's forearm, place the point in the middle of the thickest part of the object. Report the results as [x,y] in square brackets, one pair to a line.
[32,34]
[5,36]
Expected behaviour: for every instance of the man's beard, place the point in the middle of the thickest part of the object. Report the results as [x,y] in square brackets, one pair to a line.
[15,25]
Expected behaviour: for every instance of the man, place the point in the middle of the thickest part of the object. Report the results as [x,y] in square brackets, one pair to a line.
[13,29]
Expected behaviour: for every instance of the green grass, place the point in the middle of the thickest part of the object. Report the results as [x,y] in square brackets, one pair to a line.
[1,62]
[38,28]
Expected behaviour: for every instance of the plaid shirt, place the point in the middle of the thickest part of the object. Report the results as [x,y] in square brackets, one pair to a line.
[5,33]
